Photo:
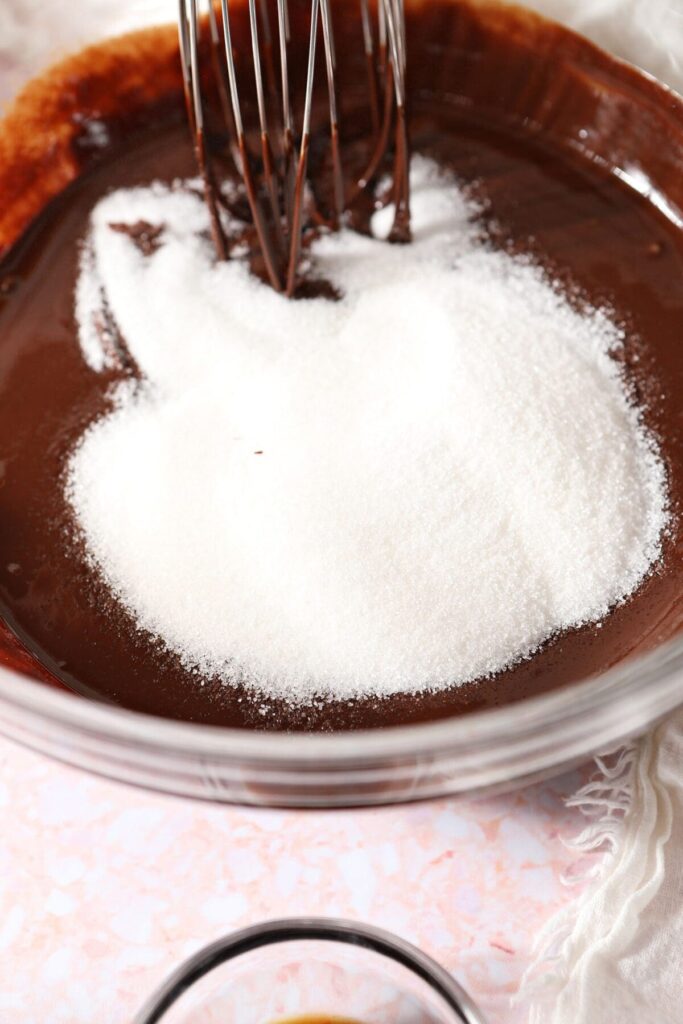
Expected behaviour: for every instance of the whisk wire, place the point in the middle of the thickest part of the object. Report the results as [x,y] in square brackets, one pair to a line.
[266,151]
[297,214]
[275,181]
[232,74]
[400,231]
[288,170]
[394,49]
[330,62]
[283,33]
[382,29]
[193,102]
[220,73]
[268,50]
[369,49]
[265,242]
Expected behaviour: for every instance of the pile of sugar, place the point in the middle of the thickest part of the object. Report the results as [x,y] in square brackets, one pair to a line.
[404,490]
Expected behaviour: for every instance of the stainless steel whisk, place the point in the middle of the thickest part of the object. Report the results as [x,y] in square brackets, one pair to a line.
[275,177]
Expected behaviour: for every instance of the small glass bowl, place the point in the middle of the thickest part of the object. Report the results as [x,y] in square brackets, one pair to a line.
[315,968]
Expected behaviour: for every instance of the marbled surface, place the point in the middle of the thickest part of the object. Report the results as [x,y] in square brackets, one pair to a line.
[103,889]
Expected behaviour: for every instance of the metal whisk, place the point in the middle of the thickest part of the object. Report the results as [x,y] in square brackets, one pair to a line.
[274,169]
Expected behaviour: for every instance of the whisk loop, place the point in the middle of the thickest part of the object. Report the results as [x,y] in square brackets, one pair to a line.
[275,176]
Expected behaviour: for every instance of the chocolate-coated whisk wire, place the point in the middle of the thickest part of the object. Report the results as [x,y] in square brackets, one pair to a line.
[288,171]
[265,240]
[221,78]
[189,57]
[266,150]
[275,178]
[330,64]
[400,231]
[297,215]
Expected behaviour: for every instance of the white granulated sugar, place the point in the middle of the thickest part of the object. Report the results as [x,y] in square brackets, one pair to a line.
[88,303]
[451,472]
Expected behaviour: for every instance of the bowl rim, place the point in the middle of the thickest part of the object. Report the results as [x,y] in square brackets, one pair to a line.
[637,691]
[332,930]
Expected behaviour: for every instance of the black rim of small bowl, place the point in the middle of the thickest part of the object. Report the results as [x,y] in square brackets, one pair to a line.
[332,930]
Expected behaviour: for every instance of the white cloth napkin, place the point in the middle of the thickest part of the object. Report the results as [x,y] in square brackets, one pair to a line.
[616,956]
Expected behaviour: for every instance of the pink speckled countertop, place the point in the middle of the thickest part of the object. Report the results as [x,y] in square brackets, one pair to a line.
[103,889]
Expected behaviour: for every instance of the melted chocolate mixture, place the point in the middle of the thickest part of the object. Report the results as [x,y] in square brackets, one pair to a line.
[480,95]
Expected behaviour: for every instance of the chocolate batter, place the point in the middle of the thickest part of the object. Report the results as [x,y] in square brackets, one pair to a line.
[531,117]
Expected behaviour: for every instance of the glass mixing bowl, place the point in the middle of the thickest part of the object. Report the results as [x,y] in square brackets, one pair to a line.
[483,751]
